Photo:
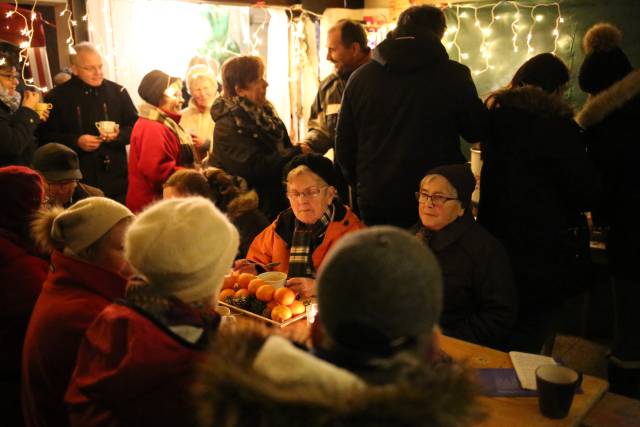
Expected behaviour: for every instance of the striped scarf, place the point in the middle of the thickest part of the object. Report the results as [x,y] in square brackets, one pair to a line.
[300,262]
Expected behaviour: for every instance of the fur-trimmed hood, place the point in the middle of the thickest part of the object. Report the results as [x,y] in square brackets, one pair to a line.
[532,99]
[245,202]
[598,107]
[250,380]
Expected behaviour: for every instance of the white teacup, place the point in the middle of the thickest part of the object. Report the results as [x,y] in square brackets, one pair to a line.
[276,279]
[106,126]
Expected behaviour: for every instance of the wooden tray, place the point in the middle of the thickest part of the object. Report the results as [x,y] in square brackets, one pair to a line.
[265,319]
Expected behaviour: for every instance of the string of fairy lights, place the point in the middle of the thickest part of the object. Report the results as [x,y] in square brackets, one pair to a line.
[519,23]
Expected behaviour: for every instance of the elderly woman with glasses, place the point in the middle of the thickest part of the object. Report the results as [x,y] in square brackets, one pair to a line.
[479,294]
[299,239]
[18,118]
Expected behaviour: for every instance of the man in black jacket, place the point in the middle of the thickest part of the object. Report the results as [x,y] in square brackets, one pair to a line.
[77,105]
[402,114]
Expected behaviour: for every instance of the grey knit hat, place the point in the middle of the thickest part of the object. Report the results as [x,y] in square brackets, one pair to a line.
[378,289]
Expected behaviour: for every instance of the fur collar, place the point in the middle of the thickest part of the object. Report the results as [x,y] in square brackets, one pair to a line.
[597,108]
[531,99]
[241,384]
[245,202]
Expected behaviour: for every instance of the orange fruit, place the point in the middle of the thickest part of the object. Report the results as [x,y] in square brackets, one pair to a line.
[297,307]
[280,313]
[254,285]
[265,293]
[244,279]
[229,282]
[242,293]
[226,293]
[284,296]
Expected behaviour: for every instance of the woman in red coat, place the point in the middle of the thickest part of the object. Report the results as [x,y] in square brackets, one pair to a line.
[22,272]
[159,146]
[87,272]
[136,362]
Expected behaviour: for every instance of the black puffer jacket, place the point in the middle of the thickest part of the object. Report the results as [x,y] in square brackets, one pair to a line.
[17,142]
[480,301]
[536,181]
[241,148]
[402,114]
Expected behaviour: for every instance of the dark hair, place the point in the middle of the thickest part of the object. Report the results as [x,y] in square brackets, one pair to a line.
[240,71]
[223,187]
[545,71]
[428,17]
[351,32]
[189,182]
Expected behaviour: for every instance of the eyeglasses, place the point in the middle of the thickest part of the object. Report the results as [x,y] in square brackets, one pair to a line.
[9,76]
[436,199]
[310,193]
[93,69]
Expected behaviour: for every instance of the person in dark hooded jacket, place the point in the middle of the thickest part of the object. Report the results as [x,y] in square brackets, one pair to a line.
[375,363]
[536,182]
[402,114]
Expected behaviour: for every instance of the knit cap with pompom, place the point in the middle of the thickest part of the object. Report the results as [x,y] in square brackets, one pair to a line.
[605,63]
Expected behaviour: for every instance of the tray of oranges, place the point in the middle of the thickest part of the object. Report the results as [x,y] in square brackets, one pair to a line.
[250,295]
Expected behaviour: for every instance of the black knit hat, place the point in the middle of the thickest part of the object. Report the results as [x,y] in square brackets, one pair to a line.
[604,62]
[379,289]
[57,162]
[461,178]
[320,165]
[153,85]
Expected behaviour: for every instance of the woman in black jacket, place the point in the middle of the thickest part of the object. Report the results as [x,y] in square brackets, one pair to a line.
[479,295]
[18,118]
[250,140]
[536,181]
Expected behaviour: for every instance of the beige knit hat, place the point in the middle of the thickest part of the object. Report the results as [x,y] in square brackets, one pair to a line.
[86,221]
[183,247]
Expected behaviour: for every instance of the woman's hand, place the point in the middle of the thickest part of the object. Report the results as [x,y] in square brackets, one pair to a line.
[30,99]
[304,286]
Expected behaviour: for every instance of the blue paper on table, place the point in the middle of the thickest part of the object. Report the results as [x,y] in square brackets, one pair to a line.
[503,382]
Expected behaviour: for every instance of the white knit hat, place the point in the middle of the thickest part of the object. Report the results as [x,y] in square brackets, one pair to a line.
[86,221]
[183,247]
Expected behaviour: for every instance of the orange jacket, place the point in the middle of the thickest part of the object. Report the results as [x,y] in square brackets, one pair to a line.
[272,245]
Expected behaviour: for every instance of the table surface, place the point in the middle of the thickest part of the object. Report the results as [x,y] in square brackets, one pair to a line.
[520,411]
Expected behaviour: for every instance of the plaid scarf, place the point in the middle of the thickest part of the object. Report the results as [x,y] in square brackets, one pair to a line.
[264,117]
[188,151]
[300,262]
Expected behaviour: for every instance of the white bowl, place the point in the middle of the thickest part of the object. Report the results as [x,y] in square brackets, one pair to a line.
[276,279]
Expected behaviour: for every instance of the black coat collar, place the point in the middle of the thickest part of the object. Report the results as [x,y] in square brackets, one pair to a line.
[439,240]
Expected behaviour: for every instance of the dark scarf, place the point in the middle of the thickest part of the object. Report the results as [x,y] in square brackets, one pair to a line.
[300,262]
[264,117]
[168,310]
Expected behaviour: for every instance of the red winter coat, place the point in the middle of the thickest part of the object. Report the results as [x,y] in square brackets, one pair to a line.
[132,371]
[74,293]
[274,243]
[154,156]
[21,278]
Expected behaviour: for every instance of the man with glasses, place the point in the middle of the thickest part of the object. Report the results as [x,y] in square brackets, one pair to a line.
[18,118]
[58,165]
[88,98]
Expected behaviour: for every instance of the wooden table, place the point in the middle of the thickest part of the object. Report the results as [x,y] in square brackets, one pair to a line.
[520,411]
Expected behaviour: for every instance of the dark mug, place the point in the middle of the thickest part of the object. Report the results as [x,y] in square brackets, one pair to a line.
[556,387]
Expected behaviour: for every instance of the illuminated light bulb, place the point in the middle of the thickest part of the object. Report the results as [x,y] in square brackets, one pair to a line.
[529,37]
[464,15]
[63,12]
[73,22]
[530,50]
[449,45]
[3,61]
[477,72]
[539,18]
[453,29]
[85,17]
[393,26]
[24,45]
[477,24]
[515,49]
[498,17]
[561,19]
[486,31]
[464,55]
[33,16]
[8,14]
[555,33]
